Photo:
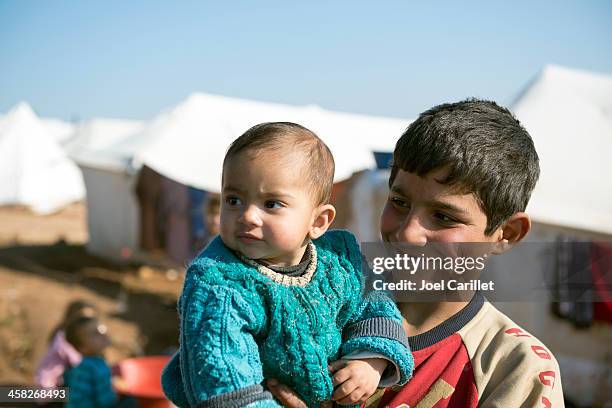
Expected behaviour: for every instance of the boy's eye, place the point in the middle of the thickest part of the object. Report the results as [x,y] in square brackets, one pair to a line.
[398,202]
[272,204]
[233,201]
[445,218]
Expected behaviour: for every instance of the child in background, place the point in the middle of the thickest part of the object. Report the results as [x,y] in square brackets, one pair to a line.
[61,353]
[89,383]
[210,214]
[213,216]
[276,295]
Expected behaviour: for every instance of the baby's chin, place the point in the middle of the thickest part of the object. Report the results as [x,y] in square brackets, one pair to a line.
[248,251]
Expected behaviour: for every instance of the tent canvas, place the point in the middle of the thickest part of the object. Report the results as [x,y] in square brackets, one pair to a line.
[112,209]
[188,142]
[92,141]
[60,130]
[569,116]
[36,172]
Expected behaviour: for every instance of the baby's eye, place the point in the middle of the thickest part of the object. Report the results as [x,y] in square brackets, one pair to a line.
[273,204]
[233,201]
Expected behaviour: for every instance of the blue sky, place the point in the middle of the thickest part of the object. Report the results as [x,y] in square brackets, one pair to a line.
[131,59]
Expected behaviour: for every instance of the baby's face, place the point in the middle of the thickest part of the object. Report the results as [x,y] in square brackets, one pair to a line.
[267,208]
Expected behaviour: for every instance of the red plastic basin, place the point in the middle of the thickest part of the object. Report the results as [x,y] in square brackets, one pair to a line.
[142,380]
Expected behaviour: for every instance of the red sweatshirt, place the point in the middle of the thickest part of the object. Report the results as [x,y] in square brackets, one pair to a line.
[477,358]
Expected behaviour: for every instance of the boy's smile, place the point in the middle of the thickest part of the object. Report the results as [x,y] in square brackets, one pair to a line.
[421,210]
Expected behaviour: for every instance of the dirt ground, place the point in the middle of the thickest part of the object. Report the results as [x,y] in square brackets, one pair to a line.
[44,266]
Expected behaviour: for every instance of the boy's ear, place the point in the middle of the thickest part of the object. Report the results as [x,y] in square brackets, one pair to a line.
[323,217]
[512,232]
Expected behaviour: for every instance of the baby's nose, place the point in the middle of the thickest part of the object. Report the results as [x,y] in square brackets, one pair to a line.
[251,216]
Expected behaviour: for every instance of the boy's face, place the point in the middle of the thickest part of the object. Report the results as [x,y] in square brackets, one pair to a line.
[421,210]
[267,208]
[93,339]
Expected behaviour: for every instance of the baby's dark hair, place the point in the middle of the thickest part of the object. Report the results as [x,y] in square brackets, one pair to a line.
[483,147]
[291,137]
[73,330]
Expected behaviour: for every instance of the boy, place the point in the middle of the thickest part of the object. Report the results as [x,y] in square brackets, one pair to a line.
[464,172]
[89,383]
[277,296]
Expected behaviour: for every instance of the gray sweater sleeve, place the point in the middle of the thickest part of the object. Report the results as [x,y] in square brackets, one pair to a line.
[241,398]
[377,327]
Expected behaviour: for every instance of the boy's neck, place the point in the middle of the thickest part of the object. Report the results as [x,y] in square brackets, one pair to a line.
[420,317]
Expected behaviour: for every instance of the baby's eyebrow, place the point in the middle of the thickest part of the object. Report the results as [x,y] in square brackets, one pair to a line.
[277,194]
[231,189]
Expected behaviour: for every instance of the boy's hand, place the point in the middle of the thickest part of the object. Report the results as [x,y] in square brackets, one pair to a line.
[356,380]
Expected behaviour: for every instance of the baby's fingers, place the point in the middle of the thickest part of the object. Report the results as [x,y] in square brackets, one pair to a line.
[341,376]
[336,365]
[344,390]
[353,398]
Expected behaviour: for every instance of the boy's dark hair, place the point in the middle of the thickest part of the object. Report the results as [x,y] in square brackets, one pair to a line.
[288,136]
[73,330]
[485,149]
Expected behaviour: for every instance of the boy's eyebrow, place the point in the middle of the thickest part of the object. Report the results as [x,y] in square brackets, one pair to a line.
[449,207]
[434,203]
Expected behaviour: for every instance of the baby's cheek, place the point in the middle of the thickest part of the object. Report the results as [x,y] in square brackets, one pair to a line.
[288,234]
[226,231]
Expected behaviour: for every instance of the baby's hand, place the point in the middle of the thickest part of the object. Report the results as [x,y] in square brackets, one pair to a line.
[356,380]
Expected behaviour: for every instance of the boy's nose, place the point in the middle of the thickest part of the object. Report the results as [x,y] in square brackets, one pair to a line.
[411,231]
[251,217]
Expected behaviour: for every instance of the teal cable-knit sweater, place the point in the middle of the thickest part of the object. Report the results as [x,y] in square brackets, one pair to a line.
[239,326]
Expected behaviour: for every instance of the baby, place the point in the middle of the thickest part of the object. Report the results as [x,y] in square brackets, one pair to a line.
[276,295]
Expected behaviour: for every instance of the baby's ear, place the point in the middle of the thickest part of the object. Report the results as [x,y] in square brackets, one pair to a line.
[513,231]
[323,216]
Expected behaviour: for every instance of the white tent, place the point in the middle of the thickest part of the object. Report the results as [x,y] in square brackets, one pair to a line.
[58,129]
[35,170]
[568,113]
[112,209]
[188,142]
[92,143]
[569,116]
